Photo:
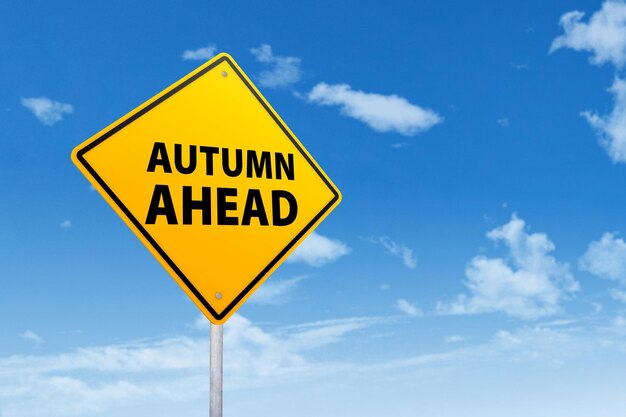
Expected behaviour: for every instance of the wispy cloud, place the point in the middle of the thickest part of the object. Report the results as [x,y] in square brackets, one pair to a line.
[618,295]
[407,308]
[200,54]
[323,333]
[103,379]
[399,250]
[32,336]
[400,145]
[383,113]
[529,284]
[318,250]
[47,111]
[276,291]
[65,224]
[166,374]
[606,258]
[504,122]
[454,339]
[283,71]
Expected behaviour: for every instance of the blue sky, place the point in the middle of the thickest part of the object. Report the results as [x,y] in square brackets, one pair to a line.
[476,265]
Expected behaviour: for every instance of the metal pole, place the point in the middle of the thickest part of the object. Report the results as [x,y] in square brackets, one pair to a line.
[217,350]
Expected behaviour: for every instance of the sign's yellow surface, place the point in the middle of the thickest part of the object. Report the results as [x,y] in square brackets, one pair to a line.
[212,181]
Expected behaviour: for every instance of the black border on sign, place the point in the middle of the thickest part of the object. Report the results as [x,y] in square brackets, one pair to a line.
[80,156]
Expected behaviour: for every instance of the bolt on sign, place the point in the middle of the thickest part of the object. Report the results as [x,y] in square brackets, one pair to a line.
[212,181]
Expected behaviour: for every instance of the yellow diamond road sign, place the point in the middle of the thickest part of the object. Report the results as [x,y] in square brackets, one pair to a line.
[212,181]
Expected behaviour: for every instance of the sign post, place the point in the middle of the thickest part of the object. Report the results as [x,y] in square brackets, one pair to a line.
[217,352]
[214,184]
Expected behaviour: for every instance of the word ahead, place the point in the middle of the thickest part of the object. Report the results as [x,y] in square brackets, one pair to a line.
[227,200]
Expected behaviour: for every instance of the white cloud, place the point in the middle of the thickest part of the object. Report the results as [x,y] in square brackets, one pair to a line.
[385,287]
[322,333]
[32,336]
[400,145]
[528,284]
[284,71]
[200,54]
[253,353]
[318,250]
[382,113]
[399,250]
[200,323]
[604,35]
[619,321]
[90,380]
[454,339]
[504,122]
[611,128]
[606,258]
[169,376]
[557,323]
[407,308]
[540,343]
[618,295]
[48,112]
[104,379]
[66,224]
[276,291]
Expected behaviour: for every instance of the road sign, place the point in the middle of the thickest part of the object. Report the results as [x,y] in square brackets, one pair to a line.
[212,181]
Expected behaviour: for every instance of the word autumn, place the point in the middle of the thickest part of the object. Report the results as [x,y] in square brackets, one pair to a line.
[281,204]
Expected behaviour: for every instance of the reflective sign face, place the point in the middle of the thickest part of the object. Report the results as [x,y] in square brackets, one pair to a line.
[212,181]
